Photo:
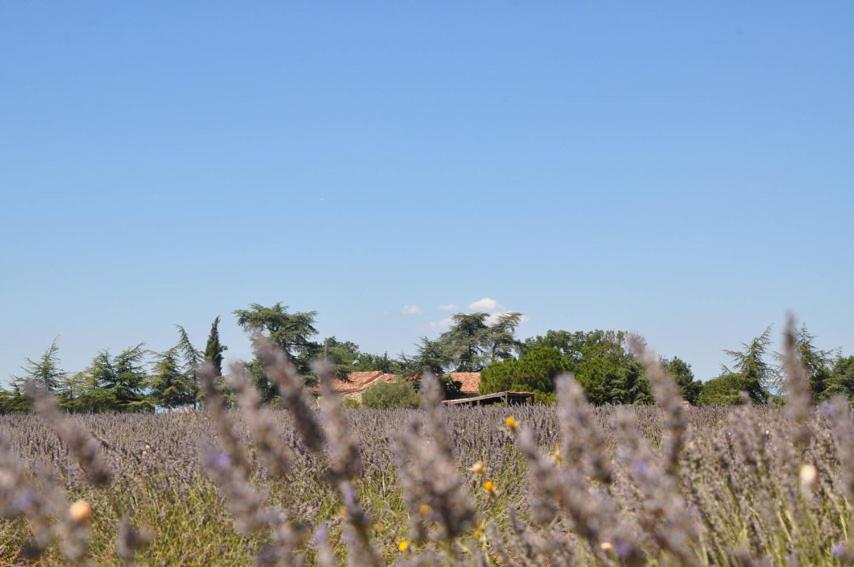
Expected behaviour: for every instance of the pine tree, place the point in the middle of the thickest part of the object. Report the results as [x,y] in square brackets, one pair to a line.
[841,381]
[291,332]
[755,373]
[45,370]
[74,390]
[501,338]
[467,341]
[119,382]
[432,356]
[192,357]
[170,386]
[817,362]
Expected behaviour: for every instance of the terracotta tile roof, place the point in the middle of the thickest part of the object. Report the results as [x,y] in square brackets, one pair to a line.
[361,381]
[470,381]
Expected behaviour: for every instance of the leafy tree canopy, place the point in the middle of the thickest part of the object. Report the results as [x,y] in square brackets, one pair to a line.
[342,355]
[725,390]
[841,381]
[366,361]
[534,371]
[601,364]
[473,341]
[682,374]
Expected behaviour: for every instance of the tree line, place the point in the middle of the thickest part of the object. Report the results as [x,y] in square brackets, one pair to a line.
[134,379]
[601,363]
[137,379]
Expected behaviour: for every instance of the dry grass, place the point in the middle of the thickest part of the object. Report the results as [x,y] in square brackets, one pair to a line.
[565,484]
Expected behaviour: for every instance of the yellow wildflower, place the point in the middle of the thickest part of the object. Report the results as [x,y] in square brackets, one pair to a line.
[80,512]
[403,545]
[489,487]
[478,468]
[511,423]
[808,475]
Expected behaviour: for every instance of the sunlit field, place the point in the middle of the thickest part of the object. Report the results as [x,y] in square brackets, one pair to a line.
[560,484]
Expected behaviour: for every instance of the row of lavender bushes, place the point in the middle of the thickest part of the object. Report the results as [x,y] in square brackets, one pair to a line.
[530,485]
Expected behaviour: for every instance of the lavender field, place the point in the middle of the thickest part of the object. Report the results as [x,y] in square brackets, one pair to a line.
[540,485]
[367,284]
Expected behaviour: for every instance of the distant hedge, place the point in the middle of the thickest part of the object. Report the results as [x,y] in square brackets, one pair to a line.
[387,395]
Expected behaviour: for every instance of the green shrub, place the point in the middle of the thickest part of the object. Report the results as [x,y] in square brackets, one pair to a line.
[498,376]
[725,390]
[613,377]
[387,395]
[350,403]
[547,398]
[534,371]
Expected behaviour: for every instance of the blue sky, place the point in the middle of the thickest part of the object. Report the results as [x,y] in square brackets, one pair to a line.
[684,170]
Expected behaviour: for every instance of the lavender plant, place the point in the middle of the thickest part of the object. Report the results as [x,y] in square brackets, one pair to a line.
[315,483]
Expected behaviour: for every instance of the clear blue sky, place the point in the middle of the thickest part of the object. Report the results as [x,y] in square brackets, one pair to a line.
[685,170]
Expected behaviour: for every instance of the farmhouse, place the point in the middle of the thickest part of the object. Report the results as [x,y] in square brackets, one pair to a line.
[469,382]
[357,382]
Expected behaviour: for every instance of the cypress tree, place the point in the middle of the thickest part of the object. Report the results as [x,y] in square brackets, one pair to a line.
[214,349]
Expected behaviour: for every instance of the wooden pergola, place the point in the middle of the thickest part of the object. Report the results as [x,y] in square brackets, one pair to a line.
[508,398]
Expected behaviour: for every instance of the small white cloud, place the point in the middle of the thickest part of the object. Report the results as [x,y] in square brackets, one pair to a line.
[411,310]
[486,304]
[442,325]
[495,317]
